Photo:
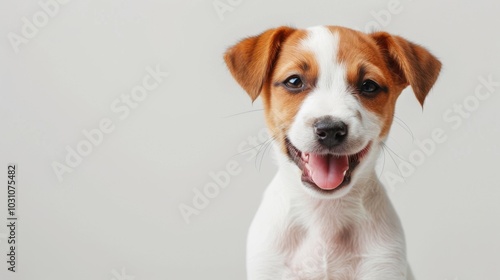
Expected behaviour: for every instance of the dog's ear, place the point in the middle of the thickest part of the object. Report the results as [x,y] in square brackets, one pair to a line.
[410,63]
[251,60]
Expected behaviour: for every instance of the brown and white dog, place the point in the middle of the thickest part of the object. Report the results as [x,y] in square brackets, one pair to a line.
[329,94]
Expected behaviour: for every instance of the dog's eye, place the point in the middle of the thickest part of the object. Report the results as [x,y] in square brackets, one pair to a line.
[369,88]
[293,82]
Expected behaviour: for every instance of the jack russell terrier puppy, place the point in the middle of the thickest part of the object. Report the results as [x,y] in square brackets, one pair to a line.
[329,94]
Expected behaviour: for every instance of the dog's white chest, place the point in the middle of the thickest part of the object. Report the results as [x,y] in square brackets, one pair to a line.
[317,259]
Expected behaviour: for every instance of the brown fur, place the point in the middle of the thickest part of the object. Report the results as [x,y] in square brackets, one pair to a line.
[261,63]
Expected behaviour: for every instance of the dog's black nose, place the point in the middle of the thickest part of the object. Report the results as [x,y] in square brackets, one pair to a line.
[330,132]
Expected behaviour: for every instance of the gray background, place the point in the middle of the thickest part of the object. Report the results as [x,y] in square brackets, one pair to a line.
[116,215]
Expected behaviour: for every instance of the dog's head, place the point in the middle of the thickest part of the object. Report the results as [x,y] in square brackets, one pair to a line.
[329,95]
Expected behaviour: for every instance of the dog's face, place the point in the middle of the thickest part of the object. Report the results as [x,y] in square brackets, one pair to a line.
[329,95]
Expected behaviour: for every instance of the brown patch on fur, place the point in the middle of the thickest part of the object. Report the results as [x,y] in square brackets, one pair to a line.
[412,64]
[262,63]
[346,241]
[280,104]
[345,236]
[390,61]
[363,60]
[251,60]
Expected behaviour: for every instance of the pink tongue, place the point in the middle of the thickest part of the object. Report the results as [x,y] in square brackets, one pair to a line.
[327,171]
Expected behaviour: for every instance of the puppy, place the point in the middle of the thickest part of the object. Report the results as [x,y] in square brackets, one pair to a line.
[329,94]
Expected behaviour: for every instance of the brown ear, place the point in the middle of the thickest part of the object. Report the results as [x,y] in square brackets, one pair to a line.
[410,63]
[251,60]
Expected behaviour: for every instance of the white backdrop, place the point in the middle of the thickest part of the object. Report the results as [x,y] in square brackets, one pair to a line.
[120,113]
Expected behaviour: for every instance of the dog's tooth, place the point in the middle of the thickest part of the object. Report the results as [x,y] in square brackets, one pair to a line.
[345,172]
[306,157]
[308,169]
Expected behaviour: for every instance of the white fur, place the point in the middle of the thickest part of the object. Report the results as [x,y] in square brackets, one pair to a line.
[353,233]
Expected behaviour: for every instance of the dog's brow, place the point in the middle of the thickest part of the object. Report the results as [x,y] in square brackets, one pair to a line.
[361,72]
[304,66]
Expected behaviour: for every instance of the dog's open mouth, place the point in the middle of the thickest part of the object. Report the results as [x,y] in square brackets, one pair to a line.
[326,172]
